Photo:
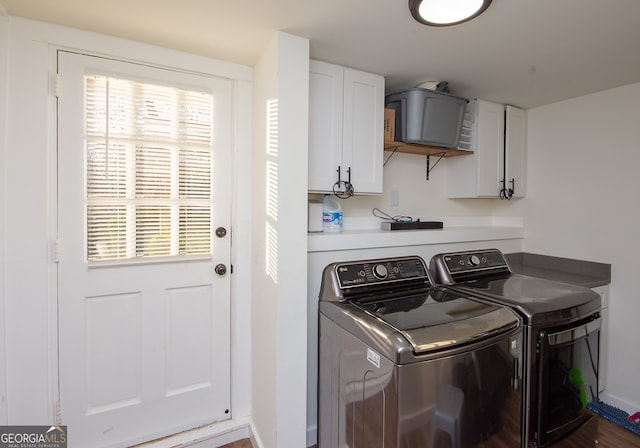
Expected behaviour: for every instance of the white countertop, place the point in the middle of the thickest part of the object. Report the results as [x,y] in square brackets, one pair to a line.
[479,229]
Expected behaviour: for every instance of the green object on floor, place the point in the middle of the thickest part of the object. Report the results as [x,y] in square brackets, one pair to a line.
[575,376]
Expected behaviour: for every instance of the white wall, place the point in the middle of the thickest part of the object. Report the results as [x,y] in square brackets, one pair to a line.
[582,202]
[421,198]
[279,275]
[4,54]
[264,299]
[27,183]
[29,157]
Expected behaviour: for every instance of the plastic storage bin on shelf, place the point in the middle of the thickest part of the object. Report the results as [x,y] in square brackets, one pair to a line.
[427,117]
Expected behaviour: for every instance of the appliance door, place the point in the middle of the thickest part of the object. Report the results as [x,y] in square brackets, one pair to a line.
[462,397]
[469,399]
[568,378]
[437,320]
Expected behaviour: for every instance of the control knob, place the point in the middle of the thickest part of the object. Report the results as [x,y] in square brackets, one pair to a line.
[380,271]
[474,260]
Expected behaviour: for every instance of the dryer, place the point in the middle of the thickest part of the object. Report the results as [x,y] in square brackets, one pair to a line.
[561,342]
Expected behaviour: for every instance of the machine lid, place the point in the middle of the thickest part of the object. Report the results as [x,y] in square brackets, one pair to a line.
[440,319]
[486,273]
[534,297]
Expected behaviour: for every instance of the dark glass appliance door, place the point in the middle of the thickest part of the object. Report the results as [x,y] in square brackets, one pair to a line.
[438,320]
[568,362]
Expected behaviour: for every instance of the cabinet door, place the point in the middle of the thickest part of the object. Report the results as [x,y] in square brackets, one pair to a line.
[490,148]
[326,83]
[516,150]
[479,174]
[499,144]
[363,133]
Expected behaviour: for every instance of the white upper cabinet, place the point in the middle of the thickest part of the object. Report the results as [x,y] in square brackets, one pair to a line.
[516,150]
[346,109]
[497,167]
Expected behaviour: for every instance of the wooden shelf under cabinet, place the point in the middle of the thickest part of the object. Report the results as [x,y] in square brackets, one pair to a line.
[412,148]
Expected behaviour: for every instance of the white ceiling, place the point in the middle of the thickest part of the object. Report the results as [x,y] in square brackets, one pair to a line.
[521,52]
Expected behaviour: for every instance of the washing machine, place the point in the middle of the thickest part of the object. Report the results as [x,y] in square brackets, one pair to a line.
[406,364]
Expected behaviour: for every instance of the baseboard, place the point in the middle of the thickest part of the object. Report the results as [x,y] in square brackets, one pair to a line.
[619,403]
[254,437]
[312,435]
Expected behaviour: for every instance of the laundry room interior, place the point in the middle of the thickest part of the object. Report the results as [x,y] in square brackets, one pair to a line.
[321,122]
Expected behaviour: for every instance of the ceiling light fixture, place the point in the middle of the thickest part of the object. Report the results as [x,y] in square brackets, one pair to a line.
[446,12]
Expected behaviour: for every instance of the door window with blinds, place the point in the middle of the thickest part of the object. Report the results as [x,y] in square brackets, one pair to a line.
[149,169]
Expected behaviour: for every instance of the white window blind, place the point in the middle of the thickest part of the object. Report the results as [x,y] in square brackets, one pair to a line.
[149,169]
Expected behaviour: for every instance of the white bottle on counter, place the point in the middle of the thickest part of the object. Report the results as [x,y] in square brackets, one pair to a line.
[331,214]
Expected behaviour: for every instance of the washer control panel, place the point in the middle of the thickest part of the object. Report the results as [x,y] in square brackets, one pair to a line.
[380,271]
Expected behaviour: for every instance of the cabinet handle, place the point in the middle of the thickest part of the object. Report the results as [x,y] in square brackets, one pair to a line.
[343,189]
[507,193]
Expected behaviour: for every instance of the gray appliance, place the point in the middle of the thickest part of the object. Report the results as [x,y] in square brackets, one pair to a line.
[404,364]
[561,342]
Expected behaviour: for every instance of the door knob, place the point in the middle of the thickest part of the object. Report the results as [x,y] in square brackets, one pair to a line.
[221,232]
[220,269]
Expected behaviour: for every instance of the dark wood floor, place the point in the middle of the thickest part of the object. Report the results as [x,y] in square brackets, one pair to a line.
[610,435]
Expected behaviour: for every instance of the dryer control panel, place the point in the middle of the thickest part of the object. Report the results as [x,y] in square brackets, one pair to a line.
[474,261]
[457,267]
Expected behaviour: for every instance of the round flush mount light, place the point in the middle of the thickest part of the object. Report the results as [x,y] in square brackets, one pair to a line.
[446,12]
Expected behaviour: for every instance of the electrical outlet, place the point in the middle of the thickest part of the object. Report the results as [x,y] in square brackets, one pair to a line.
[395,198]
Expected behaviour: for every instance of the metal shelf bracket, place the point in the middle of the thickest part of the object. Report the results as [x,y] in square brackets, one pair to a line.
[440,155]
[429,167]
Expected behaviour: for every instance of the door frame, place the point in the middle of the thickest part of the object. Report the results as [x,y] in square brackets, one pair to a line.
[28,159]
[240,233]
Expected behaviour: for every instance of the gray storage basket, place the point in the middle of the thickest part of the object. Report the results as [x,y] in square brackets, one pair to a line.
[428,117]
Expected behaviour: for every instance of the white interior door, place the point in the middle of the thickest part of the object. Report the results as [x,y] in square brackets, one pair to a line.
[144,170]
